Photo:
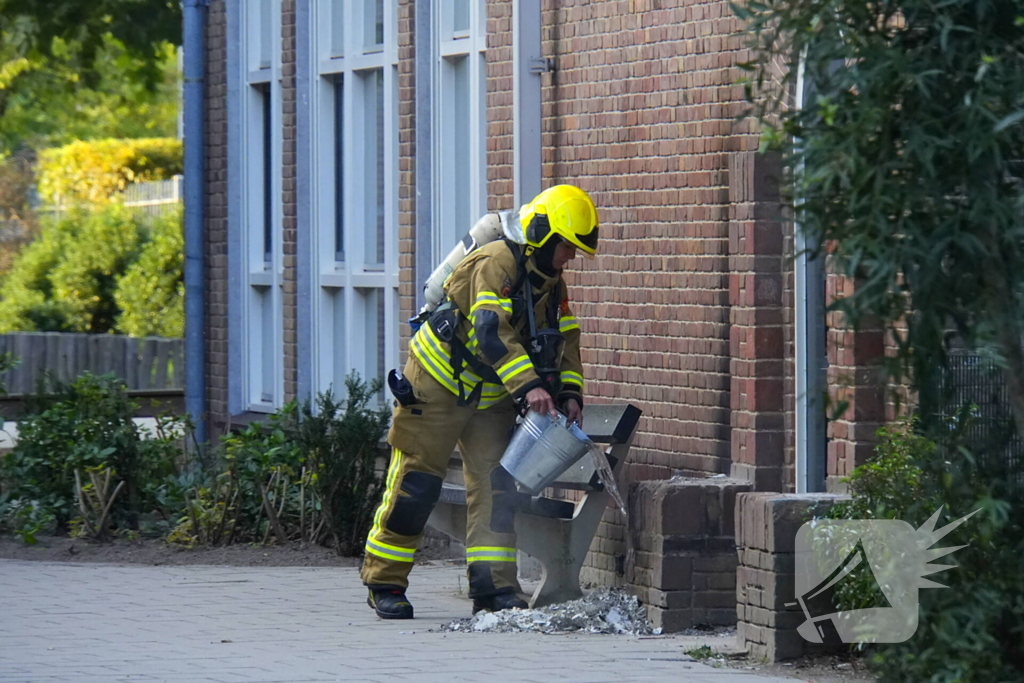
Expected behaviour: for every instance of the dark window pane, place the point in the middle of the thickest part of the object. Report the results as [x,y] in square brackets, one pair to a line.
[268,176]
[339,170]
[380,168]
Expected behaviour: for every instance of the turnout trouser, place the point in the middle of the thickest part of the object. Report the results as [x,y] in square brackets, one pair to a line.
[423,437]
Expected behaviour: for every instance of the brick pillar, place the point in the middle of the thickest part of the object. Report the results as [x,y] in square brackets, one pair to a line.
[856,379]
[215,228]
[756,338]
[288,197]
[766,609]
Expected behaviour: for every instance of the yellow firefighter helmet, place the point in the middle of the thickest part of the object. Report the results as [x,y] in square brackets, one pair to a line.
[564,210]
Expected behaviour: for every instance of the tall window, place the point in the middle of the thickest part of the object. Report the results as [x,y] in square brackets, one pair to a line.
[355,171]
[256,361]
[460,120]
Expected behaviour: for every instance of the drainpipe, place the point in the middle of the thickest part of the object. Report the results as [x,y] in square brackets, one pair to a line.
[194,16]
[811,362]
[528,65]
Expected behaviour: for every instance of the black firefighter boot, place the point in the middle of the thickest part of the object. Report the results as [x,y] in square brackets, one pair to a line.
[389,603]
[496,603]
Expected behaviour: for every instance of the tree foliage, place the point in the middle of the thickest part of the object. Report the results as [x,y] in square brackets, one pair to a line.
[74,277]
[35,29]
[96,172]
[912,150]
[51,100]
[907,158]
[18,224]
[151,293]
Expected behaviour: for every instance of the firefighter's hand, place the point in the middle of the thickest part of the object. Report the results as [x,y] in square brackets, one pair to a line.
[574,411]
[540,401]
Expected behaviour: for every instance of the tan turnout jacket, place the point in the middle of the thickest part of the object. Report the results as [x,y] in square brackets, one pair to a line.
[481,289]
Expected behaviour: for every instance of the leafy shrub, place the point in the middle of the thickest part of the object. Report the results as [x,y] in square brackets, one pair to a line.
[93,172]
[341,442]
[256,492]
[84,267]
[88,424]
[973,631]
[151,293]
[27,518]
[307,474]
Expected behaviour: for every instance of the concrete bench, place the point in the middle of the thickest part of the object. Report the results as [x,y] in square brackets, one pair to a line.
[557,533]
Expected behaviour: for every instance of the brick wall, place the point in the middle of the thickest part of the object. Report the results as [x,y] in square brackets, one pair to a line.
[216,201]
[856,380]
[288,175]
[640,112]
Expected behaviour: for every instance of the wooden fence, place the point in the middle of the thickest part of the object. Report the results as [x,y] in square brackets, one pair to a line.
[147,363]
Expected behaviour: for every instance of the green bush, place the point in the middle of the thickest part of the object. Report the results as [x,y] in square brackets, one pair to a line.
[341,442]
[974,630]
[259,491]
[87,424]
[151,293]
[95,270]
[94,172]
[307,474]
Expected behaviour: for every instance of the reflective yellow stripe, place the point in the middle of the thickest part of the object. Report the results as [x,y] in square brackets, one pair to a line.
[491,299]
[514,367]
[389,551]
[492,394]
[386,555]
[443,358]
[567,323]
[431,366]
[572,377]
[396,459]
[490,554]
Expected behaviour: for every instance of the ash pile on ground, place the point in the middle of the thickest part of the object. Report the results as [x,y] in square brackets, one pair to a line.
[606,610]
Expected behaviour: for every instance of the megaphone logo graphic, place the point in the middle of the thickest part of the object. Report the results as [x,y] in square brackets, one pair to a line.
[890,555]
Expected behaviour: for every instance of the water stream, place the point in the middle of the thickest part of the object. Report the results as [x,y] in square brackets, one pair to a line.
[607,477]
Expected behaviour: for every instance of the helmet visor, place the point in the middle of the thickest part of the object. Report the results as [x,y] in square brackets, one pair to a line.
[588,242]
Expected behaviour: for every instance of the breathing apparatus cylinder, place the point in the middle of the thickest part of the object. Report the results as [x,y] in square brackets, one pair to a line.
[489,227]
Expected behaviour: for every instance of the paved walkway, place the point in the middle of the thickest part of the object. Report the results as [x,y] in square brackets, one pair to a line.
[95,623]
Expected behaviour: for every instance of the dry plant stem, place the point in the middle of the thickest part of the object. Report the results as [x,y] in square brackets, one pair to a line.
[110,503]
[270,487]
[190,506]
[228,499]
[101,505]
[283,495]
[302,506]
[81,504]
[275,523]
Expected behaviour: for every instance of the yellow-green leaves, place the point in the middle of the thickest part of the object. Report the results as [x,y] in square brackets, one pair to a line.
[94,172]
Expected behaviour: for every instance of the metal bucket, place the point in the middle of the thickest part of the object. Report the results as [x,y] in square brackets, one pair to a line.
[541,449]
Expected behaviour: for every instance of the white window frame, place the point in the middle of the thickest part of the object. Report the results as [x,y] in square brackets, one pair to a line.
[448,228]
[341,305]
[262,333]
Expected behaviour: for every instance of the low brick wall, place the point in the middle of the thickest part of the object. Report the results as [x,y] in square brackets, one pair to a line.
[683,534]
[766,614]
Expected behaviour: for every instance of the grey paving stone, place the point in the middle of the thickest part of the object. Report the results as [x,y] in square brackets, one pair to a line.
[90,623]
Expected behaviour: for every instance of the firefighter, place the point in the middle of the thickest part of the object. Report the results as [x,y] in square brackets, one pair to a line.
[504,336]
